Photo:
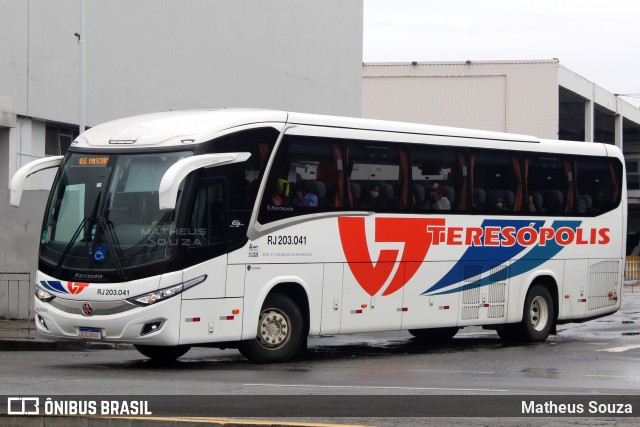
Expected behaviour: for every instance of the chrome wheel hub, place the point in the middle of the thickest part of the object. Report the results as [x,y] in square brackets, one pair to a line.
[539,313]
[273,329]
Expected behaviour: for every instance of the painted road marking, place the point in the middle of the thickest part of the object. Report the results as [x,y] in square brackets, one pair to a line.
[620,349]
[377,387]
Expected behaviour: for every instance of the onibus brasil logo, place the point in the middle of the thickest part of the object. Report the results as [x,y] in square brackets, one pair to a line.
[492,243]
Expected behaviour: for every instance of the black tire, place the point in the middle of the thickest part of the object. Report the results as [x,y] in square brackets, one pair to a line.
[510,332]
[538,317]
[280,332]
[162,353]
[435,334]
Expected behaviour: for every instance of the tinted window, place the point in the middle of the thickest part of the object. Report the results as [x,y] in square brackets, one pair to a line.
[496,182]
[598,181]
[549,184]
[439,179]
[307,176]
[378,176]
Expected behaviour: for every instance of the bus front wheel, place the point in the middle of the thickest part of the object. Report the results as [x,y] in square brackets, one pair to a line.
[280,332]
[537,318]
[162,353]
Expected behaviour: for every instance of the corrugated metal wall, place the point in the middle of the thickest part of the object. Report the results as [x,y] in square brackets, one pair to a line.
[446,101]
[16,296]
[509,96]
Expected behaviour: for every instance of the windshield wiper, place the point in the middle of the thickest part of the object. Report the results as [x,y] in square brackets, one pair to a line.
[67,248]
[113,244]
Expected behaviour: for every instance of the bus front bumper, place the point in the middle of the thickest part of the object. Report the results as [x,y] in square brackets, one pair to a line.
[118,321]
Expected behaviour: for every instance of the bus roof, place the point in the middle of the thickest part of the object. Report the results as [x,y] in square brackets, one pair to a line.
[175,128]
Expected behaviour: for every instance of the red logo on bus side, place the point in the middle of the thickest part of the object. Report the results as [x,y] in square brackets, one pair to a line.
[76,287]
[373,275]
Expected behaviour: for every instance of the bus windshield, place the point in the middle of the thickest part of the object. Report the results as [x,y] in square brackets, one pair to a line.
[104,215]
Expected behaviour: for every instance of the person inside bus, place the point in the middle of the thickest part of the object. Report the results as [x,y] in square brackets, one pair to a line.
[531,206]
[438,201]
[496,204]
[374,200]
[304,197]
[281,195]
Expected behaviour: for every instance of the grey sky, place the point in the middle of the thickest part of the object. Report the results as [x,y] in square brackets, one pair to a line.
[598,39]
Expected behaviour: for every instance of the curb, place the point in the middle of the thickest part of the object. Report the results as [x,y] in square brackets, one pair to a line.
[39,344]
[80,421]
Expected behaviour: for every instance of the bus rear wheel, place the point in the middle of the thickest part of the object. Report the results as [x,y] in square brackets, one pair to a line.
[435,334]
[280,332]
[537,318]
[162,353]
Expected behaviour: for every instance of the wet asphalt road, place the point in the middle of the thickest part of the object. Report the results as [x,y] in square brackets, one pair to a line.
[598,357]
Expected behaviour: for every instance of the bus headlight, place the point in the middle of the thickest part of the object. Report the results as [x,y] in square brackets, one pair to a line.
[43,295]
[166,293]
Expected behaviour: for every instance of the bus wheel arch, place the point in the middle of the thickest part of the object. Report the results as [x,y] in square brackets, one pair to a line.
[539,313]
[283,326]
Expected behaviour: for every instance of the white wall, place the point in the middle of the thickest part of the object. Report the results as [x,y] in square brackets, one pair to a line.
[154,55]
[506,96]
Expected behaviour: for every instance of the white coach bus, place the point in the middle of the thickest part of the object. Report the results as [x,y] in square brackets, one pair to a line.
[256,229]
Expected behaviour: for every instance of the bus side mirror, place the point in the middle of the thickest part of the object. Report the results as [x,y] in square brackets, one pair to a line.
[170,183]
[18,179]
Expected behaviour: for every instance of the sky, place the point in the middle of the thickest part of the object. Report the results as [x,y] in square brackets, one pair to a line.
[597,39]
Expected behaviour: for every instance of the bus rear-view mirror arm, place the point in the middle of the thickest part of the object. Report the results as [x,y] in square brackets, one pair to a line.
[170,183]
[18,179]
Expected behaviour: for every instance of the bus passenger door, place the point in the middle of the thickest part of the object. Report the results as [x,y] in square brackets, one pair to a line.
[206,314]
[204,240]
[365,307]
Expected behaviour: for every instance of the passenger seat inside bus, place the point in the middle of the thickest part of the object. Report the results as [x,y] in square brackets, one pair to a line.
[319,189]
[552,202]
[479,198]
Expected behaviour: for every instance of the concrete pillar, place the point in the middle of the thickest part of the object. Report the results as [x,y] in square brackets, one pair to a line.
[619,131]
[589,120]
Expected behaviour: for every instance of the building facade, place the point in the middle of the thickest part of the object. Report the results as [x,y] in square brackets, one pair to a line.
[148,56]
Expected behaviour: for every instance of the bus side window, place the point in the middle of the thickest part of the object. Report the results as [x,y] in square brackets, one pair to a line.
[549,185]
[378,176]
[496,182]
[306,177]
[438,179]
[598,183]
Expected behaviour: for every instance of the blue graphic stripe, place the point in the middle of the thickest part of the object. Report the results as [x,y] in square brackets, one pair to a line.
[534,258]
[486,257]
[54,286]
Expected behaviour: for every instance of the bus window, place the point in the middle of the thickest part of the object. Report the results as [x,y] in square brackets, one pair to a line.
[245,177]
[496,182]
[207,223]
[549,188]
[598,182]
[307,176]
[378,175]
[438,179]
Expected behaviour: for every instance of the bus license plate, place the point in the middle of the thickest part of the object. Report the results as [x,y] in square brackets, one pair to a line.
[91,333]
